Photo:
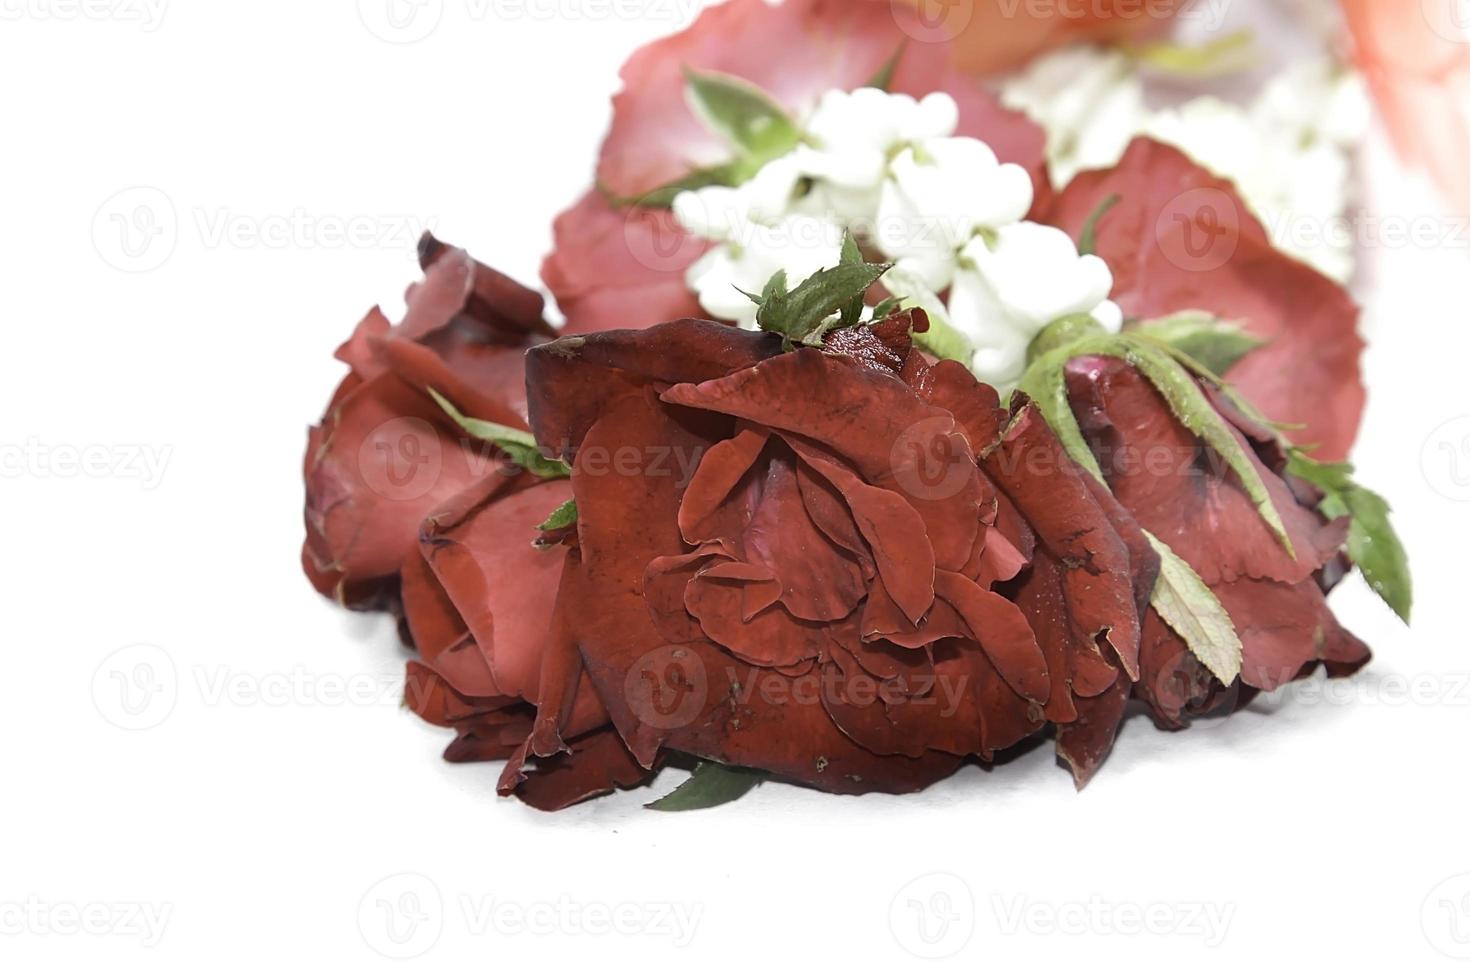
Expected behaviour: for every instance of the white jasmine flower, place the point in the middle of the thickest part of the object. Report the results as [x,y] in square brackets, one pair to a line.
[1090,102]
[719,213]
[1013,283]
[939,193]
[852,134]
[798,244]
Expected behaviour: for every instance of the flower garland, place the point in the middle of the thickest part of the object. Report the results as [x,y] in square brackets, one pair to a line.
[864,451]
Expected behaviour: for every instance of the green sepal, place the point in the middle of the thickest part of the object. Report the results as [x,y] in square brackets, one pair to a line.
[1087,240]
[1214,343]
[1045,383]
[517,444]
[1372,543]
[712,784]
[1227,55]
[800,315]
[563,517]
[883,77]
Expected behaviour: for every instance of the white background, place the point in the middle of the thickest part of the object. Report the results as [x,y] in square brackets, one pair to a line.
[259,814]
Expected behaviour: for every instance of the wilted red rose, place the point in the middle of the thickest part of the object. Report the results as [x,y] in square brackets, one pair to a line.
[384,454]
[406,511]
[790,561]
[1184,494]
[1178,238]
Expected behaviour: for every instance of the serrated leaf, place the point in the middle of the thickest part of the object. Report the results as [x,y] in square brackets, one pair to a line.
[941,339]
[883,77]
[1372,543]
[796,313]
[712,784]
[1212,342]
[518,444]
[744,114]
[1087,240]
[1186,603]
[564,516]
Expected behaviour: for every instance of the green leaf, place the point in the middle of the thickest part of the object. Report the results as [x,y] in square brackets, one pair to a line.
[941,339]
[563,517]
[1229,54]
[1186,603]
[725,175]
[712,784]
[799,314]
[852,312]
[1372,543]
[1045,383]
[518,444]
[883,78]
[745,115]
[1087,241]
[1215,343]
[886,308]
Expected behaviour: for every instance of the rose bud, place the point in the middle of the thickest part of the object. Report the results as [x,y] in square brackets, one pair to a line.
[1185,495]
[384,454]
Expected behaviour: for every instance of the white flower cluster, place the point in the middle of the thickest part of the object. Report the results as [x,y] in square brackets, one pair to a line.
[943,208]
[1288,152]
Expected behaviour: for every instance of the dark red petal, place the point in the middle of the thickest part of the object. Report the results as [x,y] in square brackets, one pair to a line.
[1084,744]
[598,763]
[1185,494]
[869,418]
[504,589]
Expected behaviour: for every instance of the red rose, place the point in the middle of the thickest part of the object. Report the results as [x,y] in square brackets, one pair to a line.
[789,561]
[404,510]
[1184,494]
